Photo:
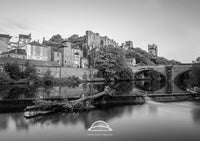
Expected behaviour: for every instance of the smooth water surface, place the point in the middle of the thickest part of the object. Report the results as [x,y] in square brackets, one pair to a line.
[150,121]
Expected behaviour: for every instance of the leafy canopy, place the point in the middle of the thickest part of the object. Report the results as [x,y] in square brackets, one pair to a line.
[111,63]
[56,38]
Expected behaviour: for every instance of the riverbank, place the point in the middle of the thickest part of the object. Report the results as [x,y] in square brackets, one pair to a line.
[18,105]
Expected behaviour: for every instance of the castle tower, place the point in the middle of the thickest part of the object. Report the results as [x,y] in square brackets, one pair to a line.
[153,49]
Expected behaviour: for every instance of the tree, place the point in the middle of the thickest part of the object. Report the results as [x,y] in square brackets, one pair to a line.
[13,70]
[198,59]
[56,38]
[48,78]
[144,58]
[111,63]
[30,71]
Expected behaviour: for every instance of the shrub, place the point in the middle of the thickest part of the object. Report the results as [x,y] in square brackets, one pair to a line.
[13,70]
[48,78]
[4,78]
[30,72]
[125,74]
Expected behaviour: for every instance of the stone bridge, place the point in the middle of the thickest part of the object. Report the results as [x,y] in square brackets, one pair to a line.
[170,72]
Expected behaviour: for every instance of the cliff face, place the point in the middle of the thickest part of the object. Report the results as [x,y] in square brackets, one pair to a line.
[144,58]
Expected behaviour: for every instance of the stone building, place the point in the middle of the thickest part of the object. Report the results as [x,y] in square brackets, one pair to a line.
[127,45]
[131,62]
[53,52]
[72,54]
[24,39]
[84,62]
[153,49]
[4,42]
[94,40]
[89,44]
[36,51]
[15,53]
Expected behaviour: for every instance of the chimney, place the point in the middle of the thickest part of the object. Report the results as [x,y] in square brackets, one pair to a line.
[43,39]
[38,41]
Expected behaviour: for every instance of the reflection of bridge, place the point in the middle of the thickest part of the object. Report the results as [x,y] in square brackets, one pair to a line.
[170,72]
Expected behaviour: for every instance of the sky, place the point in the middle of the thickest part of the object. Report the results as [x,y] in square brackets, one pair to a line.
[173,25]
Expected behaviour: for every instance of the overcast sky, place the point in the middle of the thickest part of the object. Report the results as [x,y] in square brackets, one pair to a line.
[174,25]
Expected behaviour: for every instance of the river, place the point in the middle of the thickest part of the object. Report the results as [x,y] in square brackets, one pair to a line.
[149,121]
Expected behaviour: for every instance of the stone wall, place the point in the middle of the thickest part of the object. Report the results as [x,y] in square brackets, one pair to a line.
[78,72]
[43,66]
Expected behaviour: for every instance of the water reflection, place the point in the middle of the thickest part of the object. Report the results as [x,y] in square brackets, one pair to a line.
[133,121]
[122,88]
[150,85]
[184,81]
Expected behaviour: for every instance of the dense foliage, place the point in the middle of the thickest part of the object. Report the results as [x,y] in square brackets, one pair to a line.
[4,78]
[30,72]
[111,63]
[13,70]
[56,38]
[144,58]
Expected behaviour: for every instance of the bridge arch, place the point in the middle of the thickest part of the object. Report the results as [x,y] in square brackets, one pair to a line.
[178,70]
[146,72]
[183,80]
[160,69]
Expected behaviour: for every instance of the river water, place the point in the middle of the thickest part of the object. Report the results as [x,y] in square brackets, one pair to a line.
[149,121]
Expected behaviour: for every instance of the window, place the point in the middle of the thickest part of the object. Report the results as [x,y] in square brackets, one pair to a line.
[57,53]
[58,61]
[65,61]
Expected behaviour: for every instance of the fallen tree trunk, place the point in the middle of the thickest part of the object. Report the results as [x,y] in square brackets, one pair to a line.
[43,107]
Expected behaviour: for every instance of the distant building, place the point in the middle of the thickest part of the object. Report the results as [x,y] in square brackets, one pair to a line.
[13,45]
[57,56]
[84,62]
[54,53]
[4,42]
[94,40]
[24,39]
[127,45]
[36,51]
[88,43]
[131,62]
[77,53]
[16,53]
[72,54]
[153,49]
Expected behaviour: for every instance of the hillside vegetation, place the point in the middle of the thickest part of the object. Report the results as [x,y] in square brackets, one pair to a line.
[144,58]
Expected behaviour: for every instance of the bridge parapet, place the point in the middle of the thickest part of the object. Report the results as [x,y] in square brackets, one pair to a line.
[170,72]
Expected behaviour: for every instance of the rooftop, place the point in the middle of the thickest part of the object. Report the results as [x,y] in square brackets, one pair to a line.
[18,51]
[35,43]
[5,36]
[25,36]
[51,44]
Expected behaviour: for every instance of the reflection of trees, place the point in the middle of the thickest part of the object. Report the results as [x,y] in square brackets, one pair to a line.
[19,92]
[122,88]
[196,115]
[153,80]
[87,118]
[150,85]
[18,118]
